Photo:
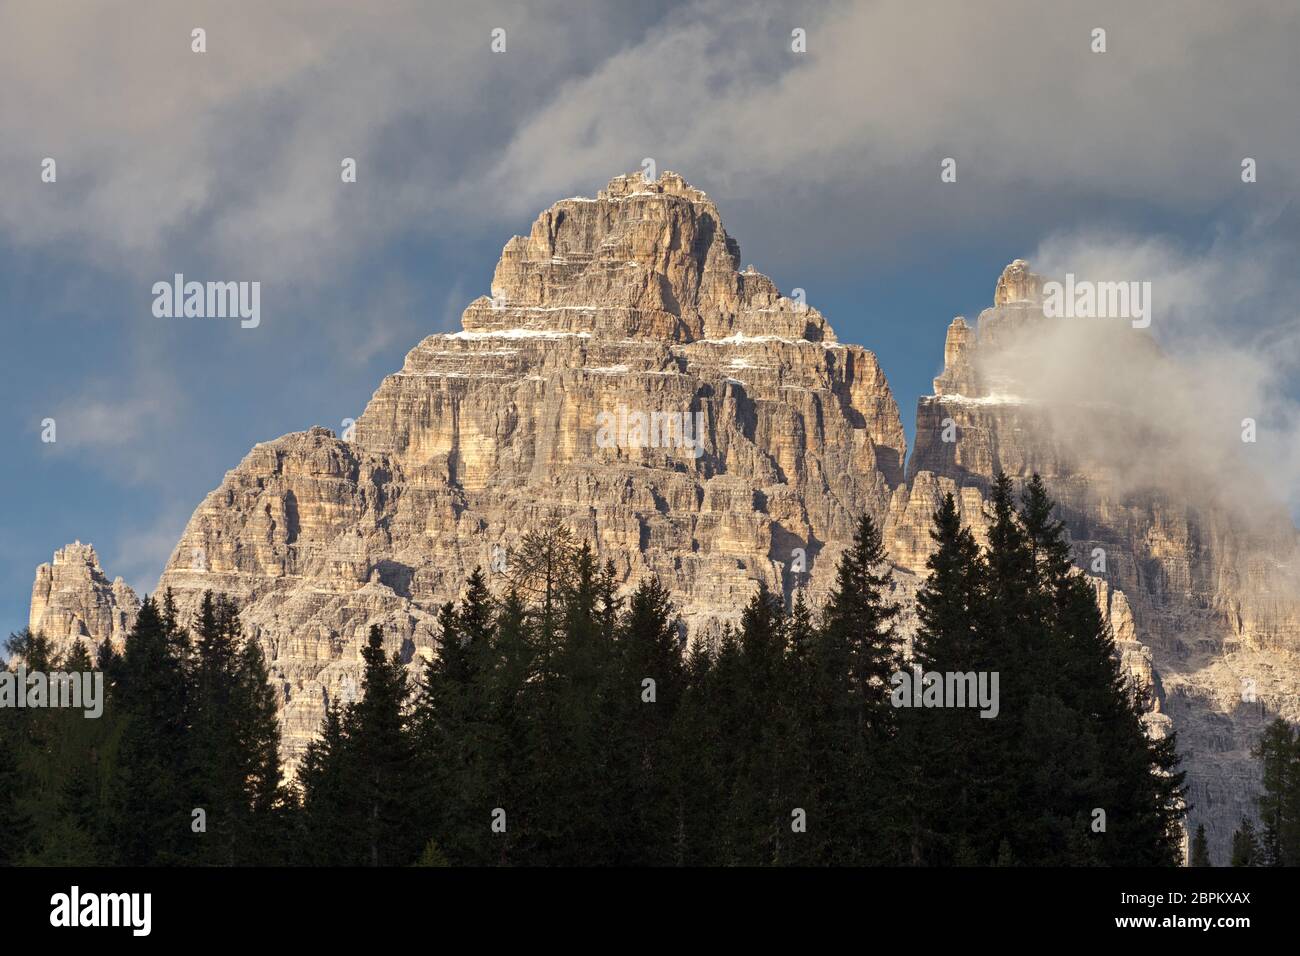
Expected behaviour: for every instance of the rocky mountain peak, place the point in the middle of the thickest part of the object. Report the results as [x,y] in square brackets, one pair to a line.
[77,553]
[959,377]
[669,183]
[72,598]
[1017,284]
[645,259]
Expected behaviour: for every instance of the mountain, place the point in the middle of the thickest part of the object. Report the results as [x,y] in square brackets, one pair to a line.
[629,379]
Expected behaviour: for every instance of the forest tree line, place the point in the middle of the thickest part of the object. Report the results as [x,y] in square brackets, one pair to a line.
[563,724]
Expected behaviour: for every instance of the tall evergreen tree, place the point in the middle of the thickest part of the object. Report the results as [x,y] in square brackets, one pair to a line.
[1276,752]
[800,729]
[1200,854]
[857,651]
[15,820]
[946,747]
[381,743]
[444,725]
[643,698]
[758,819]
[265,802]
[1245,845]
[150,795]
[330,819]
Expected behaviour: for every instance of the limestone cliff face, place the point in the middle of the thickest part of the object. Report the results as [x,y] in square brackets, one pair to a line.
[73,600]
[629,378]
[761,440]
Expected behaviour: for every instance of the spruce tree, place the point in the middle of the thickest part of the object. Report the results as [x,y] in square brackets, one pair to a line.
[697,780]
[381,743]
[1245,845]
[857,651]
[569,824]
[329,816]
[1276,752]
[643,698]
[264,801]
[800,728]
[444,724]
[215,747]
[758,819]
[858,626]
[1200,853]
[150,793]
[234,740]
[945,746]
[512,694]
[15,821]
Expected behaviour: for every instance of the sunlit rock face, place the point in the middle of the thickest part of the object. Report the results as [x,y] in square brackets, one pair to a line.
[73,600]
[629,378]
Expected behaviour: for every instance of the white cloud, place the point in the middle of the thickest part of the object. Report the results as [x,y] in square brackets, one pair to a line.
[1227,314]
[235,153]
[117,425]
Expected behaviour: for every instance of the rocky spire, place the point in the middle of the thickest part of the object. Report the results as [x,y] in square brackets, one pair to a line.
[645,259]
[958,376]
[72,598]
[1017,284]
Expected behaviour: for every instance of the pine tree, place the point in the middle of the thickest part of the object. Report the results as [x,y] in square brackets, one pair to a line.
[234,740]
[799,727]
[1200,855]
[945,747]
[857,651]
[150,793]
[381,743]
[758,819]
[215,747]
[265,803]
[541,568]
[858,626]
[1276,752]
[462,723]
[695,772]
[646,689]
[1245,845]
[329,816]
[15,821]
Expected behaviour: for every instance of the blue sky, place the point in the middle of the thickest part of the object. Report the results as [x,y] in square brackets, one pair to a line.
[825,165]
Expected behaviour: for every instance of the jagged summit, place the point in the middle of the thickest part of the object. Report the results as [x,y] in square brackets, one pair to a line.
[959,377]
[669,183]
[645,259]
[1017,284]
[72,598]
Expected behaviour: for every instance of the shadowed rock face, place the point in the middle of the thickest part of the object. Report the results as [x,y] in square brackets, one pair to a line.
[633,307]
